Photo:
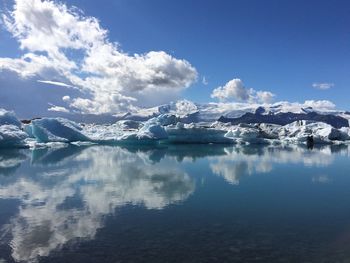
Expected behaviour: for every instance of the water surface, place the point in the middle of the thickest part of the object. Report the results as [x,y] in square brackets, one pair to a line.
[191,203]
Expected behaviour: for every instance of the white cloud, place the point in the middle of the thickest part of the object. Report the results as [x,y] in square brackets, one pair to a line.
[66,98]
[265,96]
[323,86]
[28,98]
[63,44]
[58,109]
[320,104]
[235,90]
[55,83]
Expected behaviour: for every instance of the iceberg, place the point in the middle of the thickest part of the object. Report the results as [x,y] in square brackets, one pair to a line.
[166,128]
[132,132]
[164,120]
[55,130]
[128,124]
[193,133]
[106,133]
[322,133]
[250,134]
[150,133]
[9,118]
[12,136]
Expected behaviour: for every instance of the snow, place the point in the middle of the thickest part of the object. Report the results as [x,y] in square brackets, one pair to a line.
[209,112]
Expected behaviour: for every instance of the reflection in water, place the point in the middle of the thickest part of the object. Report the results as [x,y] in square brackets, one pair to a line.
[10,160]
[240,162]
[102,178]
[66,193]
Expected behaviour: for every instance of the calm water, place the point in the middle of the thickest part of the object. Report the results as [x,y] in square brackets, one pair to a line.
[175,204]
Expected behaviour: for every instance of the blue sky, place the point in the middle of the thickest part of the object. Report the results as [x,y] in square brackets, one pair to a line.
[283,46]
[278,46]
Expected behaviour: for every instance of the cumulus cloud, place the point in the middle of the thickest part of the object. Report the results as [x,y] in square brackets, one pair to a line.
[235,90]
[265,96]
[62,44]
[323,86]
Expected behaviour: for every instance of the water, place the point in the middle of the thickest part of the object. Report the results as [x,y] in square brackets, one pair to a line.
[175,204]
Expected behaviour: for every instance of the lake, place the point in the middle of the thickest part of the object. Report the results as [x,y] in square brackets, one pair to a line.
[175,203]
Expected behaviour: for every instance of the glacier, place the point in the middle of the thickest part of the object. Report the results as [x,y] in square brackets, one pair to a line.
[165,128]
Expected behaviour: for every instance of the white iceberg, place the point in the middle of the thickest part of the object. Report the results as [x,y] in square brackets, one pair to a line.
[300,131]
[12,136]
[150,133]
[55,130]
[164,128]
[9,118]
[193,133]
[127,132]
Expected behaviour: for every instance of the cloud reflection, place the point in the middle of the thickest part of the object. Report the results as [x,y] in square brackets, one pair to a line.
[66,193]
[245,161]
[101,178]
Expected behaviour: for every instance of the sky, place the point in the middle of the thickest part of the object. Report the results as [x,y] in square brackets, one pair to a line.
[118,55]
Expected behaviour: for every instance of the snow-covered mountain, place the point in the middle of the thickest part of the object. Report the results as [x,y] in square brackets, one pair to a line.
[189,111]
